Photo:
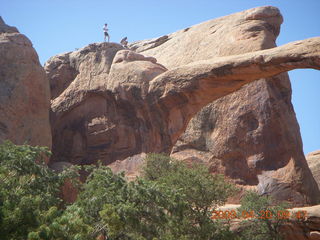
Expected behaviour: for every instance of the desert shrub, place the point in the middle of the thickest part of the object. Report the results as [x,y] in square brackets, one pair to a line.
[201,190]
[170,201]
[265,217]
[29,190]
[175,204]
[120,209]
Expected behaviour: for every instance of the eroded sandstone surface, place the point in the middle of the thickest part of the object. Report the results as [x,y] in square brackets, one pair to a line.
[313,160]
[252,135]
[113,105]
[24,91]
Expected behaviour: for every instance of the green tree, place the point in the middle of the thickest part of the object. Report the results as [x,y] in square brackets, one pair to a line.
[202,191]
[130,210]
[264,218]
[149,211]
[171,201]
[63,225]
[175,204]
[28,189]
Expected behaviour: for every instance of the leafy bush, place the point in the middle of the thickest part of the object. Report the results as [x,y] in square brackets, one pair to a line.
[130,210]
[171,201]
[28,189]
[201,190]
[267,219]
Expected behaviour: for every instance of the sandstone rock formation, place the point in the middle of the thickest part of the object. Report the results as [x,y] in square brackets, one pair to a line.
[131,166]
[313,160]
[24,91]
[252,135]
[89,121]
[113,103]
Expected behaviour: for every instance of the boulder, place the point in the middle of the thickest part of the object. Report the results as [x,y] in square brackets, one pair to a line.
[24,91]
[119,103]
[131,166]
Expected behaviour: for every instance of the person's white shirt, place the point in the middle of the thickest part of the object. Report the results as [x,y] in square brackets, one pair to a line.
[105,28]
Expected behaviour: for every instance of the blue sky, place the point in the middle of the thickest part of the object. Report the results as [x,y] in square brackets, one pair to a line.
[63,25]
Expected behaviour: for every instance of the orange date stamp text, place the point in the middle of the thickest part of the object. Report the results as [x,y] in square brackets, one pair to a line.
[263,214]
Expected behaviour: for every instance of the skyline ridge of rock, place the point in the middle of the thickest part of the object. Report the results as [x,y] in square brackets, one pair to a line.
[4,28]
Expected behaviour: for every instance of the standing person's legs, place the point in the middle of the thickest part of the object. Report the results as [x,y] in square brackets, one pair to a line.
[105,36]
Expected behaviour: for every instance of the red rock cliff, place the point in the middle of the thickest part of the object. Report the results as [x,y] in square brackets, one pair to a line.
[24,91]
[110,104]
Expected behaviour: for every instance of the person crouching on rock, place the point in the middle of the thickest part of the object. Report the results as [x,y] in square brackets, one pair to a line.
[105,31]
[124,42]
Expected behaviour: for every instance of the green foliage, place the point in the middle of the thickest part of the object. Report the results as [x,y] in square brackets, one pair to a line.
[201,191]
[175,204]
[63,225]
[147,211]
[28,189]
[172,201]
[157,166]
[25,187]
[266,223]
[129,210]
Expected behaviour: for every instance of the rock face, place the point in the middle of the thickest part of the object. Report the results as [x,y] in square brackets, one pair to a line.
[90,122]
[313,160]
[24,91]
[110,104]
[131,166]
[251,136]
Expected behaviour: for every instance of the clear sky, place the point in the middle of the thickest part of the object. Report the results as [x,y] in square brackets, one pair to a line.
[58,26]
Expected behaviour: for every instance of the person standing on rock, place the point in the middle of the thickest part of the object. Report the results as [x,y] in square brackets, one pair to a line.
[105,31]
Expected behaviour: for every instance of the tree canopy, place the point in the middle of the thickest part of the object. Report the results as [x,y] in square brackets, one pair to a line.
[171,200]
